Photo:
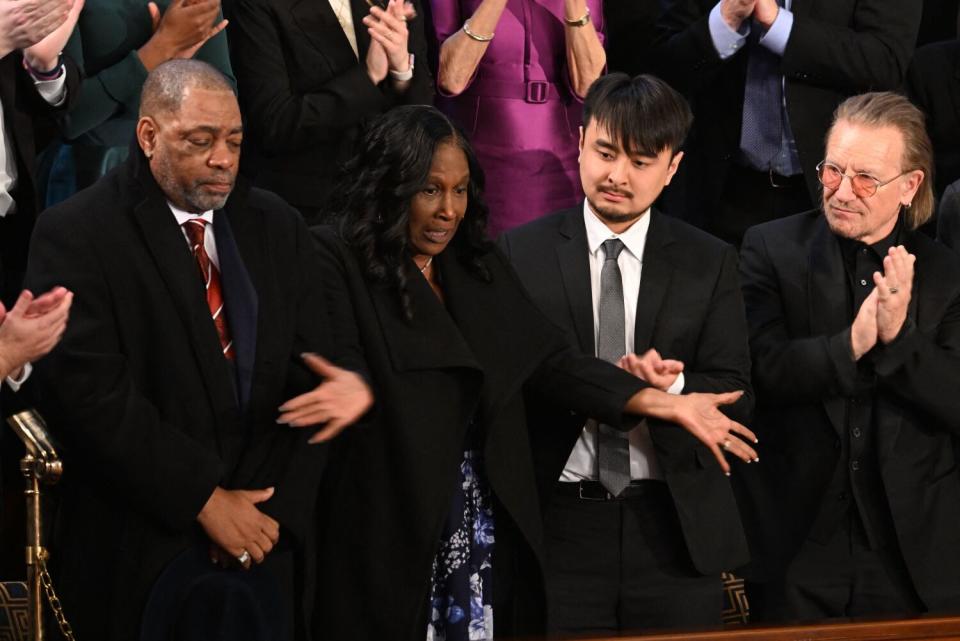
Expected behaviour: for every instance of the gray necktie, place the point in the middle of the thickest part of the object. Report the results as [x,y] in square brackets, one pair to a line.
[613,446]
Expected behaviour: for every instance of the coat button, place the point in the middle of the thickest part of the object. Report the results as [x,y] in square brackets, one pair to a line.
[854,465]
[856,432]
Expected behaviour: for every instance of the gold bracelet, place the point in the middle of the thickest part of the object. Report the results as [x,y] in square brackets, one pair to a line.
[477,37]
[579,22]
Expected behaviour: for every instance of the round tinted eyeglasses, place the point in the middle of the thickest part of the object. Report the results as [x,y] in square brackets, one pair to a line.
[863,185]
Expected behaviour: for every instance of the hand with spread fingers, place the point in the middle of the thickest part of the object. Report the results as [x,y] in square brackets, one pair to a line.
[651,367]
[700,415]
[237,527]
[342,398]
[894,289]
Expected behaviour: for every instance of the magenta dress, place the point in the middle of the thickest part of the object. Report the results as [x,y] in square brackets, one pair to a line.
[519,110]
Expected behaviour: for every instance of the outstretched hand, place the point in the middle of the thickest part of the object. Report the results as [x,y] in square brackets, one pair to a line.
[338,401]
[700,415]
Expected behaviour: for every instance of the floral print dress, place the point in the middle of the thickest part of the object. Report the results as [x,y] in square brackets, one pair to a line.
[461,587]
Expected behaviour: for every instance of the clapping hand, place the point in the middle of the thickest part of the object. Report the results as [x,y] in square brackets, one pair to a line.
[32,328]
[24,23]
[181,30]
[894,288]
[45,54]
[389,50]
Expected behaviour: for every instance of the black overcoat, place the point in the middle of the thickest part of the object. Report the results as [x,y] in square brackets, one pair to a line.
[468,361]
[148,412]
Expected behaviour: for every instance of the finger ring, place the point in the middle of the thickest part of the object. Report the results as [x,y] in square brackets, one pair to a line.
[244,558]
[894,290]
[726,444]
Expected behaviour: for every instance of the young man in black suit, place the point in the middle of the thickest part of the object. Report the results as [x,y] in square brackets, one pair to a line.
[855,336]
[638,529]
[193,307]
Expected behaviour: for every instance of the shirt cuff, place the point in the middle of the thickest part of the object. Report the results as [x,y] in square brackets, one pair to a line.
[16,383]
[776,38]
[677,386]
[53,91]
[725,40]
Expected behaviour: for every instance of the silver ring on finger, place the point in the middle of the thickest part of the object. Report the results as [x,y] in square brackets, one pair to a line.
[244,558]
[726,444]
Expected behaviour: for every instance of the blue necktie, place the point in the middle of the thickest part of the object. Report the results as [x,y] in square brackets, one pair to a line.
[761,134]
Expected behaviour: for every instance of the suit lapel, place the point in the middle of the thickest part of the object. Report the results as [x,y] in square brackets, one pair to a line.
[320,27]
[654,280]
[800,7]
[179,272]
[828,306]
[574,262]
[954,87]
[360,9]
[240,295]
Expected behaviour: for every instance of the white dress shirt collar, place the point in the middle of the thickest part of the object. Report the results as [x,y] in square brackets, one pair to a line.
[634,238]
[184,216]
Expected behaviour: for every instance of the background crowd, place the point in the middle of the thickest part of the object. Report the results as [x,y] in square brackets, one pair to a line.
[745,92]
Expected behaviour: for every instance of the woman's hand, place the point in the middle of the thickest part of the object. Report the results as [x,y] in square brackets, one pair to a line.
[338,401]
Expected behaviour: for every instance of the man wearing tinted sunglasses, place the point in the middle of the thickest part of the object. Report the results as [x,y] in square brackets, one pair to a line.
[855,337]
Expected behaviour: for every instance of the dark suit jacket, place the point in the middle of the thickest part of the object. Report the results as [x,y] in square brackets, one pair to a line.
[150,415]
[837,48]
[795,290]
[305,95]
[933,83]
[690,309]
[22,109]
[391,482]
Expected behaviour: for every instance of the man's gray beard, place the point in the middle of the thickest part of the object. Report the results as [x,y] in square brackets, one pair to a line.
[203,202]
[614,217]
[194,199]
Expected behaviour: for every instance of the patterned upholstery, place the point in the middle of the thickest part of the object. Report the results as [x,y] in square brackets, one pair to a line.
[13,611]
[736,610]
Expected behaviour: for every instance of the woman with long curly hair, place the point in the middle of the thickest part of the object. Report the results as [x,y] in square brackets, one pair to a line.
[431,517]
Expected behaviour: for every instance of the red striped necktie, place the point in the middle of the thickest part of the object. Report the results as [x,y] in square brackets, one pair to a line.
[195,230]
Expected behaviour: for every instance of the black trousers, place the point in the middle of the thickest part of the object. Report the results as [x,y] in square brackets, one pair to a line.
[841,578]
[752,197]
[621,565]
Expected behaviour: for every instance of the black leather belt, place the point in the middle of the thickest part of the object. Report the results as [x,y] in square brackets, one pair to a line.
[593,491]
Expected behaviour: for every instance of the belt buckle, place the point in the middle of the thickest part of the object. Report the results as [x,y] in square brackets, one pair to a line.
[607,496]
[537,91]
[774,183]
